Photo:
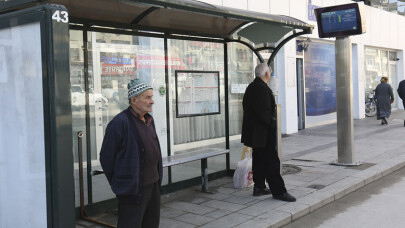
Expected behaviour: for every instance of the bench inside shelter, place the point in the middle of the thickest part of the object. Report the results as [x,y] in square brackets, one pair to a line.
[202,154]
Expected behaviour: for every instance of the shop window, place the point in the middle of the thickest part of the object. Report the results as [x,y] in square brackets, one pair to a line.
[380,63]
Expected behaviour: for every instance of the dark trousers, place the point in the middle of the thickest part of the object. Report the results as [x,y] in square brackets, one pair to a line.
[146,214]
[266,166]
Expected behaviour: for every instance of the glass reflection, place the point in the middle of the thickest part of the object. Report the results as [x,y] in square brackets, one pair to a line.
[320,79]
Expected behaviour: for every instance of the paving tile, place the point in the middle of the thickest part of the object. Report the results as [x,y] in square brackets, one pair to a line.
[272,219]
[253,202]
[194,219]
[297,193]
[314,203]
[239,200]
[254,223]
[171,212]
[310,174]
[218,213]
[262,207]
[228,221]
[217,196]
[190,207]
[229,185]
[288,181]
[299,178]
[171,223]
[195,198]
[223,205]
[244,193]
[226,190]
[296,209]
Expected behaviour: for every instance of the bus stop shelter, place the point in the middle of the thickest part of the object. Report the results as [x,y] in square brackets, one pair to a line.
[36,159]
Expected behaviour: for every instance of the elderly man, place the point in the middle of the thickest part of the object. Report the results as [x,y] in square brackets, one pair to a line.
[259,131]
[132,160]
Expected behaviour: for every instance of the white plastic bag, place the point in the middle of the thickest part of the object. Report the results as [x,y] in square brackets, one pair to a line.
[243,176]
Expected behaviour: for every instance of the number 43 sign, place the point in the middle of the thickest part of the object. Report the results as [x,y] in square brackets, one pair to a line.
[61,16]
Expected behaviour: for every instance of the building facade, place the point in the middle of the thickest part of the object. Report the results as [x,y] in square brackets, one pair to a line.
[308,65]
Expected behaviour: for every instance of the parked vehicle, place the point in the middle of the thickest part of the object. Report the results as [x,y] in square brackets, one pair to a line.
[78,98]
[371,105]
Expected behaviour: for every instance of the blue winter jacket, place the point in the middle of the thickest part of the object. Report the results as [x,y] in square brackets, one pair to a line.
[122,158]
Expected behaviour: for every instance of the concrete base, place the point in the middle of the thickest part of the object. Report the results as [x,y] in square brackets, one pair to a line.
[335,162]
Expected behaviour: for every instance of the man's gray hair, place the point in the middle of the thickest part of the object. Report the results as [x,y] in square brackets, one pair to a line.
[261,70]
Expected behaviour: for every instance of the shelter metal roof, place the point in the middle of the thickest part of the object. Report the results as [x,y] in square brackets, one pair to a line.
[185,17]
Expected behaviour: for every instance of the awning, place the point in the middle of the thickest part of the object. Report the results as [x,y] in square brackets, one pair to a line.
[185,17]
[181,17]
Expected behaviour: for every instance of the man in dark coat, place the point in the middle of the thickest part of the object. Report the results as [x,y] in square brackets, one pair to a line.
[401,93]
[385,97]
[132,160]
[259,131]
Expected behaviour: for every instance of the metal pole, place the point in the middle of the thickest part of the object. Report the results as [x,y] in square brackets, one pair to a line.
[87,117]
[344,102]
[169,150]
[226,81]
[204,175]
[83,213]
[279,146]
[80,159]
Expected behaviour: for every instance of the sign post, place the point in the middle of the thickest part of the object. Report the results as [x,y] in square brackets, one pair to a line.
[344,101]
[342,21]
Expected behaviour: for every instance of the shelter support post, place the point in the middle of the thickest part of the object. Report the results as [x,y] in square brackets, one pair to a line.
[279,145]
[344,102]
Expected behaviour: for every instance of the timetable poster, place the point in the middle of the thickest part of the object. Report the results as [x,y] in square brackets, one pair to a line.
[197,93]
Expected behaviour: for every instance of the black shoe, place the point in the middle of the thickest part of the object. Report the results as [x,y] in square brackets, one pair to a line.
[285,197]
[404,123]
[385,120]
[260,192]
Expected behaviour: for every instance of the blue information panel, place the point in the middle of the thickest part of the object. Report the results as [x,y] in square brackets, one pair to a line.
[342,20]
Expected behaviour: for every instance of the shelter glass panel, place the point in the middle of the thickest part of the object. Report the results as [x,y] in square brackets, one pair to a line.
[196,132]
[240,71]
[22,140]
[113,60]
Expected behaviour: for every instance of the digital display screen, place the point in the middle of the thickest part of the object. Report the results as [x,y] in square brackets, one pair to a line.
[342,20]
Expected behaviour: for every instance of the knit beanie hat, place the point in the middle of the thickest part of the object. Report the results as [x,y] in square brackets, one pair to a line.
[137,86]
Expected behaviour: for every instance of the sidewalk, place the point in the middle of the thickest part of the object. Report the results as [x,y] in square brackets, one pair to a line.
[380,149]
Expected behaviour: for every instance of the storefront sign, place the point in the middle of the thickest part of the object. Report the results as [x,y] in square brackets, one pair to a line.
[159,62]
[117,69]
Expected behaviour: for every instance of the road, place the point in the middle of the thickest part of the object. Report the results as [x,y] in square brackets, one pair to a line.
[379,204]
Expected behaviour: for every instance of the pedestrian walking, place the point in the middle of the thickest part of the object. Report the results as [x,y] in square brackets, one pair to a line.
[132,161]
[401,93]
[385,97]
[259,131]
